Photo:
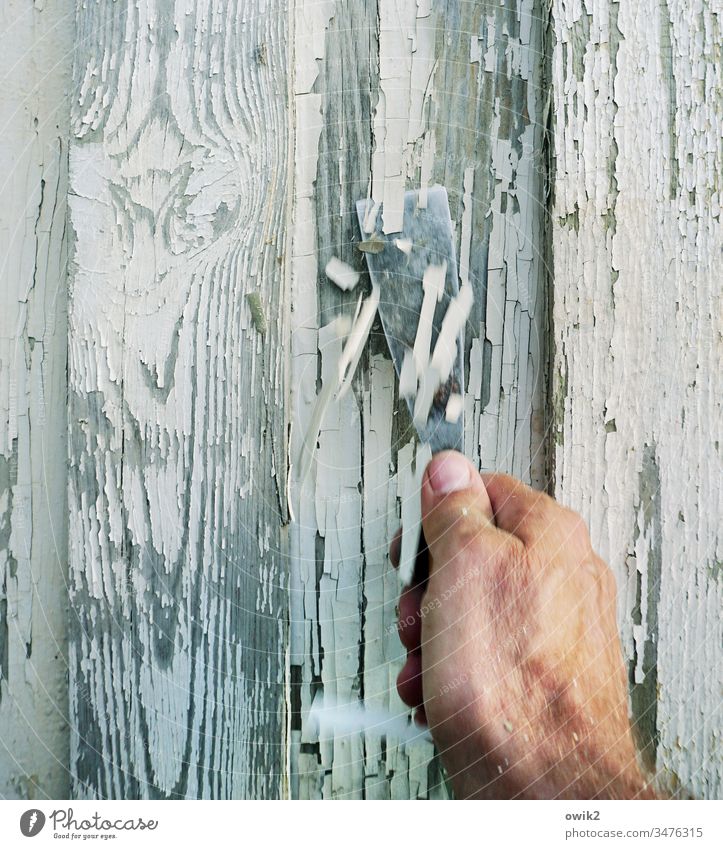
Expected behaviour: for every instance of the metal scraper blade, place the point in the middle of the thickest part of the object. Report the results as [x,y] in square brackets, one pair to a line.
[399,277]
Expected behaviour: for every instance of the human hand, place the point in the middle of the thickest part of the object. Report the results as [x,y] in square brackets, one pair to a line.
[514,657]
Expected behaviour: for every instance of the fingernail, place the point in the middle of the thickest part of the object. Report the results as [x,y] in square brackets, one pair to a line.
[448,473]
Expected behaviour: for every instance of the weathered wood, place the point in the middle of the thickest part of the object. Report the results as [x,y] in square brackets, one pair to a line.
[36,47]
[178,584]
[190,131]
[392,94]
[636,244]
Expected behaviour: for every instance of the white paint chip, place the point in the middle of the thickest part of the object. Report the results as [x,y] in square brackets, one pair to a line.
[433,280]
[344,324]
[454,320]
[454,407]
[342,274]
[475,49]
[466,226]
[370,219]
[404,245]
[433,285]
[308,449]
[357,339]
[428,384]
[408,376]
[329,718]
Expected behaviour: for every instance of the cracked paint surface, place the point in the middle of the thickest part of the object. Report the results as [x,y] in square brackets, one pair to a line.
[36,43]
[393,96]
[197,350]
[636,242]
[177,458]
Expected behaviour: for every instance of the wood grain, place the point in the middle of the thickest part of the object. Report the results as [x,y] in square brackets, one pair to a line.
[391,95]
[636,242]
[177,458]
[36,45]
[216,152]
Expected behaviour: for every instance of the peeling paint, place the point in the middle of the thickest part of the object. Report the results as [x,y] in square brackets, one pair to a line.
[396,104]
[177,275]
[645,615]
[36,44]
[177,561]
[636,247]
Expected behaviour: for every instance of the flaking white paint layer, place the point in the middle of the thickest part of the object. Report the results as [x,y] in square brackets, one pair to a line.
[388,100]
[177,459]
[36,45]
[636,242]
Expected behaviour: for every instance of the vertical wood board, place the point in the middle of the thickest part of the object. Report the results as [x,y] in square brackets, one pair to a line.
[391,95]
[36,44]
[636,244]
[177,462]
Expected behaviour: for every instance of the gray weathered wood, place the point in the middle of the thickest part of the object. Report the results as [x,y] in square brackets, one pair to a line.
[392,94]
[178,583]
[636,244]
[36,47]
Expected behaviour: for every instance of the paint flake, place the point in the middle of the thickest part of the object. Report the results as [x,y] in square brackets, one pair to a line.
[454,408]
[370,219]
[357,339]
[428,384]
[454,320]
[335,329]
[371,246]
[433,285]
[408,376]
[342,274]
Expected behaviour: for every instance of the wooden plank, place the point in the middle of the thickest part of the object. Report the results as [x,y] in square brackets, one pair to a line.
[177,462]
[393,94]
[36,46]
[636,242]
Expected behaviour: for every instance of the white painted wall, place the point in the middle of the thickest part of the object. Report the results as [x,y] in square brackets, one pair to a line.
[36,45]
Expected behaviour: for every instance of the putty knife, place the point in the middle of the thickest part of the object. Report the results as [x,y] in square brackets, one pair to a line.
[397,264]
[399,271]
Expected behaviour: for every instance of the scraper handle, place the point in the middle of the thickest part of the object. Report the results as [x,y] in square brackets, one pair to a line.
[421,564]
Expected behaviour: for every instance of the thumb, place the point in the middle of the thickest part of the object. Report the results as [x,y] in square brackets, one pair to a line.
[456,509]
